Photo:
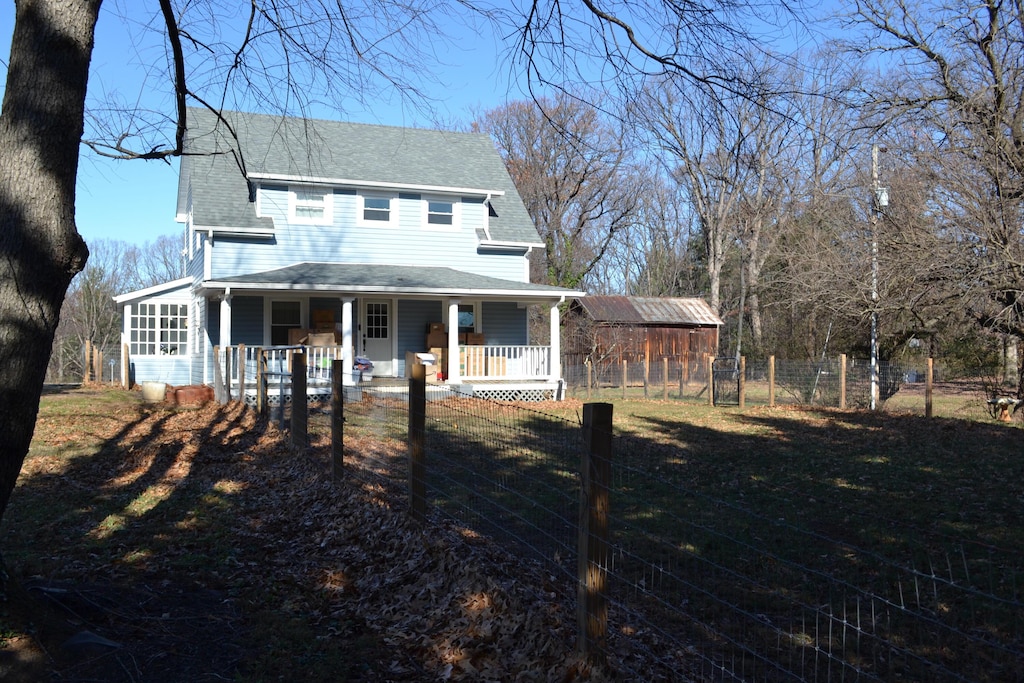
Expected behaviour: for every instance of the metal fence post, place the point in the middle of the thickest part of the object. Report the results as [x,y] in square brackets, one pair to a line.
[742,388]
[337,420]
[771,381]
[928,384]
[300,401]
[417,437]
[592,560]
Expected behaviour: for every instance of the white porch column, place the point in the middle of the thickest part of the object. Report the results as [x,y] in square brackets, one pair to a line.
[347,354]
[555,360]
[225,319]
[452,374]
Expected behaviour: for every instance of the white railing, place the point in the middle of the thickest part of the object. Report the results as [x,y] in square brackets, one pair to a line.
[493,363]
[505,362]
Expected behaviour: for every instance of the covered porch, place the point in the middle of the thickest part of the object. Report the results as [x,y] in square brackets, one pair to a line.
[512,373]
[472,329]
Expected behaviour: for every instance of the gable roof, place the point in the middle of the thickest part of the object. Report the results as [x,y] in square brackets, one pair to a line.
[649,311]
[338,153]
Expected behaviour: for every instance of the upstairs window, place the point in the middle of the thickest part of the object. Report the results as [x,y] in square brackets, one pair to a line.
[158,329]
[440,213]
[377,210]
[309,205]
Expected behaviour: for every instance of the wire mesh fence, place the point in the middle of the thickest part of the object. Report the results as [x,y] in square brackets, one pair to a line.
[705,586]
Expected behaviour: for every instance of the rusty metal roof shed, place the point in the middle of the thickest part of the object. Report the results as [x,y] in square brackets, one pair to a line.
[649,311]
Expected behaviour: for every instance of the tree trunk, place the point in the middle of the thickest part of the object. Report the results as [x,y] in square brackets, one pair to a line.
[41,125]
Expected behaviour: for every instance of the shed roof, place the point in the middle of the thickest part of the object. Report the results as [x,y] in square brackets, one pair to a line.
[650,311]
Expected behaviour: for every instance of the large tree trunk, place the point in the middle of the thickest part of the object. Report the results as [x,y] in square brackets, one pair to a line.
[40,249]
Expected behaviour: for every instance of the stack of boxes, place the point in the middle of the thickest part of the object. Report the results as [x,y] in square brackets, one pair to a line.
[437,346]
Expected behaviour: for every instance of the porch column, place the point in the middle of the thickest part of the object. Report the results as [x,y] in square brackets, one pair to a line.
[347,356]
[556,344]
[452,374]
[225,319]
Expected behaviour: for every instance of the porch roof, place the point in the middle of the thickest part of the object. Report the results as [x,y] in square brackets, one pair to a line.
[363,278]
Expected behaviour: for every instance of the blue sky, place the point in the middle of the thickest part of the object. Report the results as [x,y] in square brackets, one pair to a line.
[134,201]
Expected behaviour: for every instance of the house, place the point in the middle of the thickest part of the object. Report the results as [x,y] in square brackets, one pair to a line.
[605,330]
[371,241]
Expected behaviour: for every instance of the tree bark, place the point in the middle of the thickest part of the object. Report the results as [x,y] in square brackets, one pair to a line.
[41,126]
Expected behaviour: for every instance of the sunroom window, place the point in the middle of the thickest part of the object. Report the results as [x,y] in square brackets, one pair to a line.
[158,329]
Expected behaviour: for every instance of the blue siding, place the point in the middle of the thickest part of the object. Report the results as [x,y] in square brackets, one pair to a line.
[247,320]
[173,370]
[409,241]
[413,317]
[503,322]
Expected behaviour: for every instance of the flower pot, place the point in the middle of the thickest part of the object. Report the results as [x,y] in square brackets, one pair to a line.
[153,392]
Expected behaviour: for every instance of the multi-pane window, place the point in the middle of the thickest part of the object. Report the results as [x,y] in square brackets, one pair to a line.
[310,205]
[158,329]
[377,320]
[377,209]
[440,213]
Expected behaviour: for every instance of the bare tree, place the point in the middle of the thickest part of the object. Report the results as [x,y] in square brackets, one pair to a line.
[282,57]
[571,169]
[961,86]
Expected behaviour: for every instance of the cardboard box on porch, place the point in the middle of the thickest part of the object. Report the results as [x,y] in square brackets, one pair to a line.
[437,339]
[441,354]
[320,339]
[435,327]
[297,336]
[427,360]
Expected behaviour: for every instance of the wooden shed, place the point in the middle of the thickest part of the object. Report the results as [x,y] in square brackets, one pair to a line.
[606,330]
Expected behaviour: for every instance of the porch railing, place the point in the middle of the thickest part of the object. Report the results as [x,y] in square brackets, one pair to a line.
[504,362]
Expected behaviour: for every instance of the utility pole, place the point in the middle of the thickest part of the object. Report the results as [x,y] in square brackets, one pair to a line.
[879,200]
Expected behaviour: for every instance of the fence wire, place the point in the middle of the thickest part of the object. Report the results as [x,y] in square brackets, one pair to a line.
[702,586]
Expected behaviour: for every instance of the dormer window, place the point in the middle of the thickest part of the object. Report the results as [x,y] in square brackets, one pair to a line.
[310,205]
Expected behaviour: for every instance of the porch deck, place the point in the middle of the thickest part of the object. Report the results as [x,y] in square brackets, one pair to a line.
[504,373]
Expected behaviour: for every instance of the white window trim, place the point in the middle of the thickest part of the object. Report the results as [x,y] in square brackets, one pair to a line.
[477,309]
[392,213]
[161,347]
[293,203]
[268,313]
[440,227]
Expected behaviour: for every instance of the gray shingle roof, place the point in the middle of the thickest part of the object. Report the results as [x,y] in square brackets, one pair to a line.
[280,147]
[367,278]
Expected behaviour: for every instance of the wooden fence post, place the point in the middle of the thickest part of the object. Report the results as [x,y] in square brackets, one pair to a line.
[928,388]
[126,367]
[417,438]
[88,362]
[241,372]
[742,389]
[590,371]
[261,381]
[711,379]
[227,374]
[684,373]
[300,401]
[592,562]
[647,377]
[771,381]
[664,378]
[337,420]
[218,377]
[842,381]
[625,377]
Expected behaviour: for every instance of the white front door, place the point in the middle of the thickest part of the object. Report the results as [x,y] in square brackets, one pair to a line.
[376,336]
